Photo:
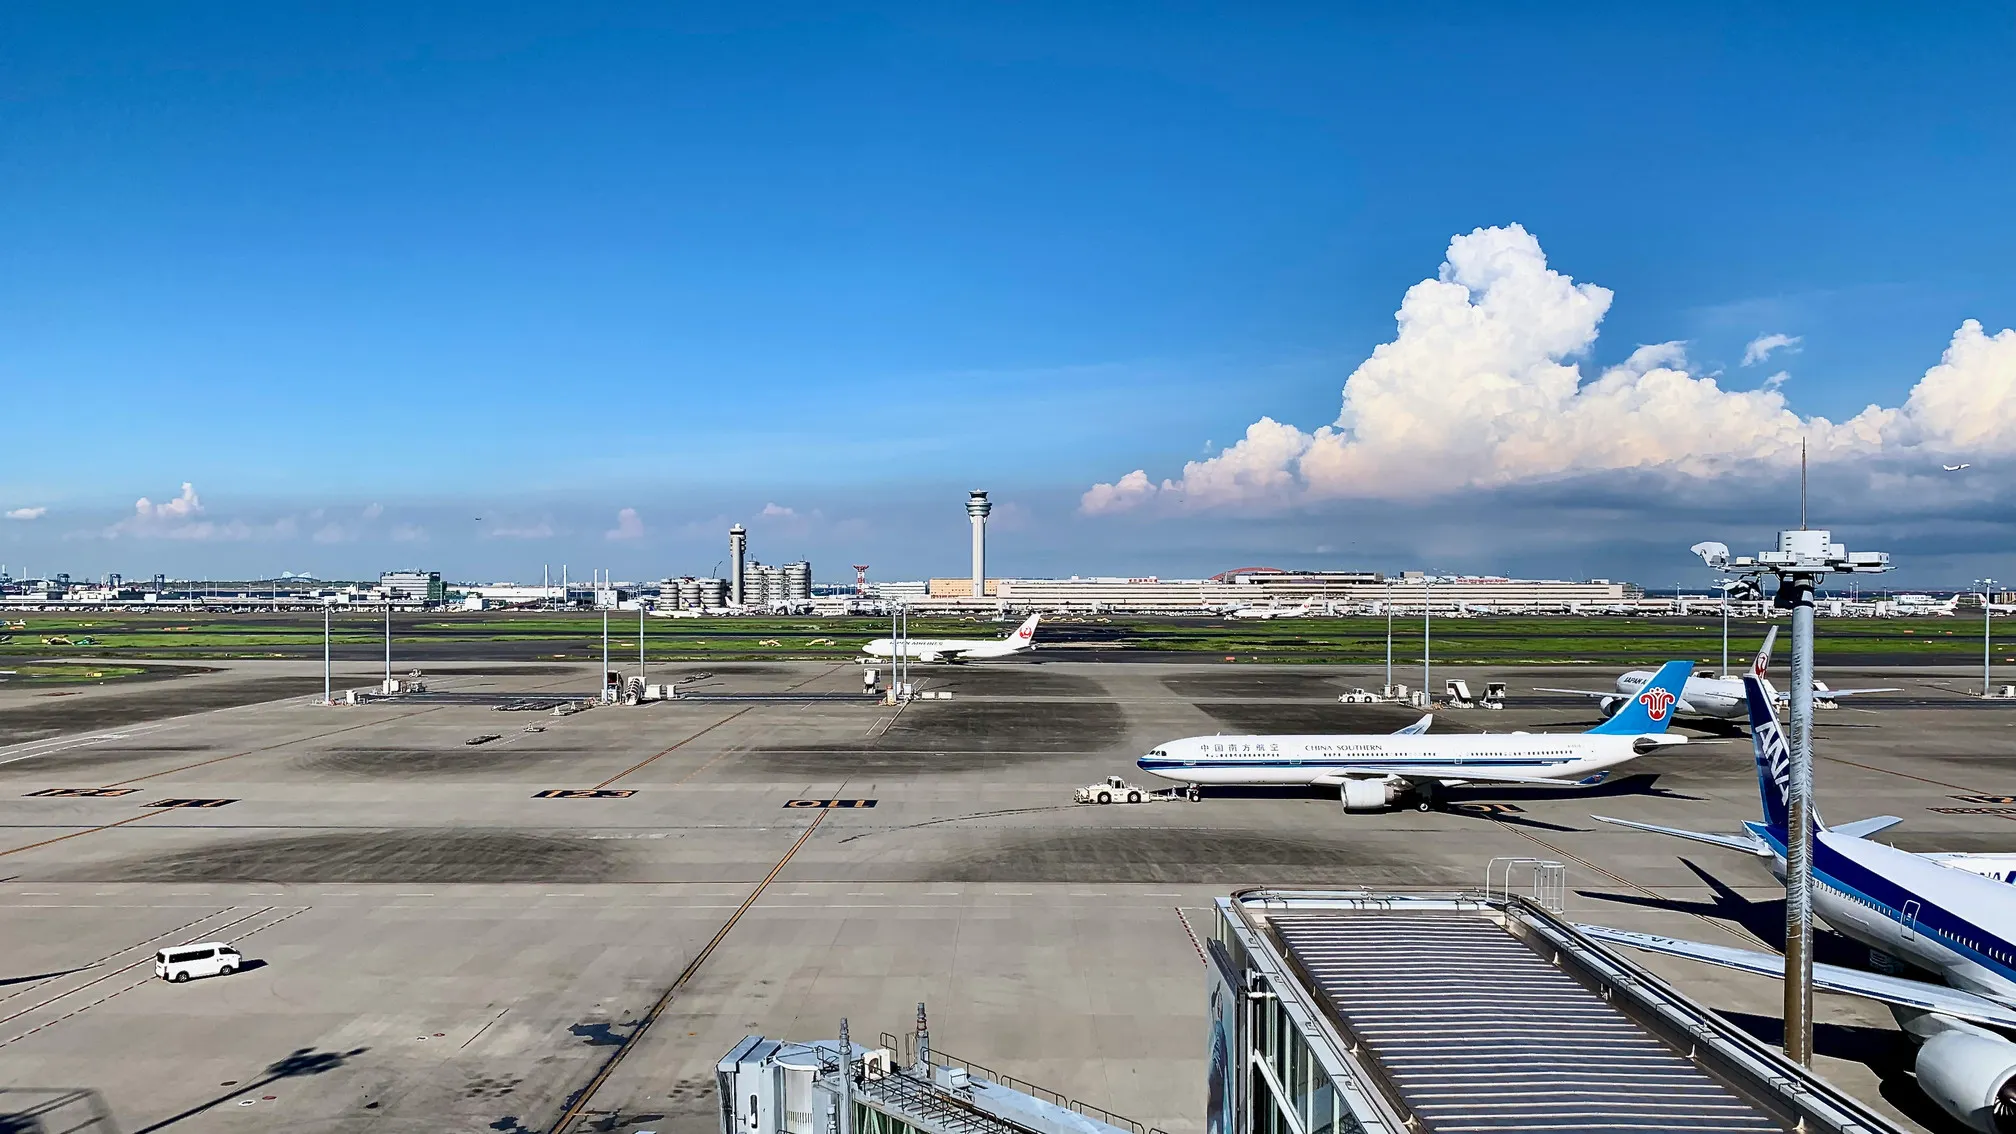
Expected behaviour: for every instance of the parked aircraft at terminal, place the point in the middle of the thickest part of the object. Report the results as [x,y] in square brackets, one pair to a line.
[1272,610]
[1720,697]
[1951,915]
[1375,770]
[957,649]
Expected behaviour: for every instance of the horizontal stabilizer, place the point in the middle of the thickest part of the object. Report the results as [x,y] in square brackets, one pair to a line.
[1830,694]
[1863,828]
[1584,692]
[1745,843]
[1830,978]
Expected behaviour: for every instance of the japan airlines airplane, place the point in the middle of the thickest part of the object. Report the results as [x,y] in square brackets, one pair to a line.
[957,649]
[1950,915]
[1719,697]
[1375,770]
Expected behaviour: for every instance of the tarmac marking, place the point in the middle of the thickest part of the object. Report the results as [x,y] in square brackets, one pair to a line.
[271,747]
[703,732]
[575,1108]
[85,831]
[142,943]
[1192,934]
[62,743]
[16,1014]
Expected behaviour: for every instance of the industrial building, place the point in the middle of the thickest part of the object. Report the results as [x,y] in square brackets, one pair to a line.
[422,587]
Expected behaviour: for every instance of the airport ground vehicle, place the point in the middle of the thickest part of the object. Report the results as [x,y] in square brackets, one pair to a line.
[1113,789]
[197,959]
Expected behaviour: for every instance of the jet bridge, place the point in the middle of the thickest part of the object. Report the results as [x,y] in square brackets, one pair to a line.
[1342,1012]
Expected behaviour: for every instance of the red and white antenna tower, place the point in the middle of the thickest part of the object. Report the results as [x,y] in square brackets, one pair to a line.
[861,580]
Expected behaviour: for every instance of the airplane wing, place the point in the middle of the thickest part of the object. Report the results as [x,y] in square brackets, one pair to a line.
[1863,828]
[1830,694]
[1747,844]
[1832,978]
[1584,692]
[1450,774]
[1417,728]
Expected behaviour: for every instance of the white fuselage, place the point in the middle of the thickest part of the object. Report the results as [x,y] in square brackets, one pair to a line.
[1948,919]
[935,649]
[1719,697]
[1261,760]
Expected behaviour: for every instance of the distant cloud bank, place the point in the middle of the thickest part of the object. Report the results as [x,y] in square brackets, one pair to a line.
[1479,389]
[27,513]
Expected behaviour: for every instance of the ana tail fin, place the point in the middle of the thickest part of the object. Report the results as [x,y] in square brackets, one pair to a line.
[1652,709]
[1774,760]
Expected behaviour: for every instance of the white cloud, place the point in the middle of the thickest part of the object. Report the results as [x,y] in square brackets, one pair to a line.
[27,513]
[628,526]
[778,511]
[176,519]
[1761,347]
[1480,389]
[540,530]
[373,511]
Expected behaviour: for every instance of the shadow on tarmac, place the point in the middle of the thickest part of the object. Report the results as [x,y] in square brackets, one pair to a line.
[302,1061]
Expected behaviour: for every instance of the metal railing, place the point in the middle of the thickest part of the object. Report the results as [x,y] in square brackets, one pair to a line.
[1547,881]
[906,1049]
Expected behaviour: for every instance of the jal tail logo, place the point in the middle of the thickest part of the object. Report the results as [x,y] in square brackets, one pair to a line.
[1023,633]
[1657,702]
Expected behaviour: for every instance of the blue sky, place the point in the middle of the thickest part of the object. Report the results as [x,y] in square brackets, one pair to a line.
[538,265]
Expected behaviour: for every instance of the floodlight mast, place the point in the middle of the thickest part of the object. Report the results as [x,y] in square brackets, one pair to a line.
[1802,559]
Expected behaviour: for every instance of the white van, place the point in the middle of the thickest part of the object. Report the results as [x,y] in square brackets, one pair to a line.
[197,959]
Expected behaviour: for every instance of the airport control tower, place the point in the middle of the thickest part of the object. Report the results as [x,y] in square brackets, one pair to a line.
[977,507]
[738,554]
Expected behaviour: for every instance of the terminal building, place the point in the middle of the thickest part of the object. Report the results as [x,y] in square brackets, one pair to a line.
[1338,591]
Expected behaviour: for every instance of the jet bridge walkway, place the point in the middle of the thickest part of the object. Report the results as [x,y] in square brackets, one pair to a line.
[1458,1014]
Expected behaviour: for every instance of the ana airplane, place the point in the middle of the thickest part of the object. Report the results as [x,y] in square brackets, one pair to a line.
[1719,697]
[1950,915]
[957,649]
[1376,770]
[1273,610]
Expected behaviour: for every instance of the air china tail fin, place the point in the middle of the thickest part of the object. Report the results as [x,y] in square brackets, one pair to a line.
[1652,709]
[1762,665]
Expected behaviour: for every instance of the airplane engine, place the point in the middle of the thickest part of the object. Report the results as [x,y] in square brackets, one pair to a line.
[1971,1075]
[927,657]
[1608,706]
[1369,795]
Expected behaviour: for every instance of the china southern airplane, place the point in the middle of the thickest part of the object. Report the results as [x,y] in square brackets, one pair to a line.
[1951,915]
[1708,696]
[957,649]
[1375,770]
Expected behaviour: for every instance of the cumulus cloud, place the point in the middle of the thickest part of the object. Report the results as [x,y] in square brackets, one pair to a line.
[628,526]
[373,511]
[1481,387]
[1761,347]
[27,513]
[779,511]
[180,518]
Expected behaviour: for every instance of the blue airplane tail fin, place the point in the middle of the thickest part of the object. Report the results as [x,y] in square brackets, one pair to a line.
[1774,760]
[1652,709]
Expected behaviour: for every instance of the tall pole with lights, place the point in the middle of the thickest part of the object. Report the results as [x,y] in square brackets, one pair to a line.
[1801,561]
[1987,642]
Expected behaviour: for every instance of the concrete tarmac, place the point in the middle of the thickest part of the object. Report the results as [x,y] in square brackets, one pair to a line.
[437,945]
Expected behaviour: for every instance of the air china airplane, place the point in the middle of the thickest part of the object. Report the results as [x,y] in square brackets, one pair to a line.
[1375,770]
[1719,697]
[1951,915]
[957,649]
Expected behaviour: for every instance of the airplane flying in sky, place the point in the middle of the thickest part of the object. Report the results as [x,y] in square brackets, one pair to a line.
[1957,468]
[1720,697]
[1375,770]
[1950,915]
[957,649]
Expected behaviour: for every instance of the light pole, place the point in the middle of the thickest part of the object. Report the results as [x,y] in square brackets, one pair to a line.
[328,695]
[1389,640]
[605,698]
[1427,698]
[640,642]
[1802,559]
[388,643]
[1987,643]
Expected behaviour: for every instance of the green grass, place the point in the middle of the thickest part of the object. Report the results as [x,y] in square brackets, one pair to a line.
[1353,640]
[61,674]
